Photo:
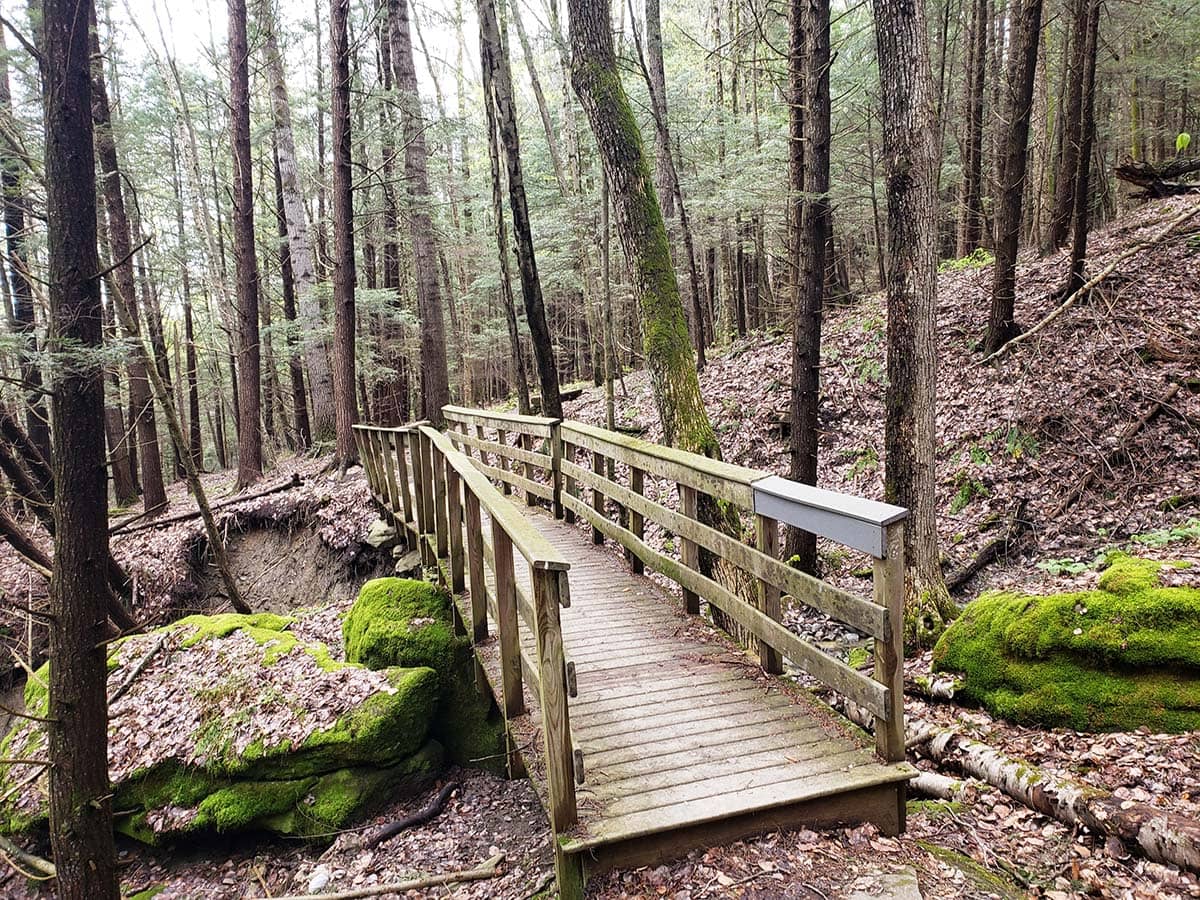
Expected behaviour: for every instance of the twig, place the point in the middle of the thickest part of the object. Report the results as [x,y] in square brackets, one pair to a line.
[23,783]
[420,817]
[23,715]
[139,668]
[489,869]
[1099,277]
[993,549]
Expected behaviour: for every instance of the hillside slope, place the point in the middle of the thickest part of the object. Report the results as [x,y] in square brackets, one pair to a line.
[1030,426]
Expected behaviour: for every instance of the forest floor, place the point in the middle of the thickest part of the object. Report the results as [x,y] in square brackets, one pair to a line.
[1032,427]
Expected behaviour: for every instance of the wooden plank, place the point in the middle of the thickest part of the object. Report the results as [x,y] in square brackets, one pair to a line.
[437,470]
[767,538]
[709,476]
[420,484]
[529,457]
[889,651]
[714,782]
[539,425]
[694,743]
[556,723]
[531,543]
[506,621]
[454,512]
[637,521]
[675,730]
[712,809]
[854,521]
[649,720]
[474,529]
[689,550]
[833,673]
[861,614]
[389,471]
[399,442]
[512,479]
[688,699]
[637,692]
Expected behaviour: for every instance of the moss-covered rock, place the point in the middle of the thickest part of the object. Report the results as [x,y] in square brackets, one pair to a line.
[1122,656]
[237,723]
[401,622]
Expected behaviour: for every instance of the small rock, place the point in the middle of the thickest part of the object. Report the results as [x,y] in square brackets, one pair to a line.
[319,879]
[380,534]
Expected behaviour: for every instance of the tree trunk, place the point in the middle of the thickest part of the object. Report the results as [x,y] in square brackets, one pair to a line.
[312,328]
[906,85]
[343,237]
[303,431]
[37,423]
[250,467]
[970,226]
[77,728]
[1022,66]
[125,303]
[435,377]
[668,353]
[192,375]
[1081,194]
[497,82]
[1069,159]
[657,81]
[809,50]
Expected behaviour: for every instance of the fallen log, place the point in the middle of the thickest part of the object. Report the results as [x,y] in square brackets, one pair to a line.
[35,867]
[1159,181]
[1162,836]
[420,817]
[943,787]
[124,527]
[489,869]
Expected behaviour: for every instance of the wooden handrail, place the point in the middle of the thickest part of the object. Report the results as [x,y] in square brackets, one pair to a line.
[451,495]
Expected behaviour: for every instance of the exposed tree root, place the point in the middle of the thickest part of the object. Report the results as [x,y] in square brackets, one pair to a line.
[420,817]
[997,547]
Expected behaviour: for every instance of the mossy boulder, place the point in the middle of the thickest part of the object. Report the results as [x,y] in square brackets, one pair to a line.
[237,723]
[1123,656]
[402,622]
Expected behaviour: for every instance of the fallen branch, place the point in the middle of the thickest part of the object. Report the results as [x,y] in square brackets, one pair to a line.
[123,527]
[1159,181]
[934,687]
[42,867]
[420,817]
[139,668]
[1110,457]
[994,549]
[489,869]
[1095,280]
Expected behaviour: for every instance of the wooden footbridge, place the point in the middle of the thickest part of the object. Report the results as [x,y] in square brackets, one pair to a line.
[646,730]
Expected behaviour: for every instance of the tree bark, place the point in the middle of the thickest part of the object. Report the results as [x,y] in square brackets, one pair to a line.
[80,798]
[323,423]
[810,180]
[435,377]
[497,80]
[1022,66]
[192,375]
[1072,144]
[666,346]
[343,237]
[906,86]
[250,467]
[1081,195]
[303,431]
[125,301]
[970,226]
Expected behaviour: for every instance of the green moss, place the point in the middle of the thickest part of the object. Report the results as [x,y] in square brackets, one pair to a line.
[983,878]
[241,805]
[148,893]
[468,723]
[935,809]
[1122,656]
[222,625]
[401,622]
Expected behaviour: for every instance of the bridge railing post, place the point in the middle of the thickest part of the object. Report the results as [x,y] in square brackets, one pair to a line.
[597,496]
[441,500]
[389,472]
[889,653]
[556,725]
[454,519]
[767,540]
[556,476]
[398,438]
[689,550]
[506,621]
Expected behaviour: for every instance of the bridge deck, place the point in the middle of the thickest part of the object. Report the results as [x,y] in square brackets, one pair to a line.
[685,742]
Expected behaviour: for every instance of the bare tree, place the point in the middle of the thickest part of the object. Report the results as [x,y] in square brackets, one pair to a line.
[77,724]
